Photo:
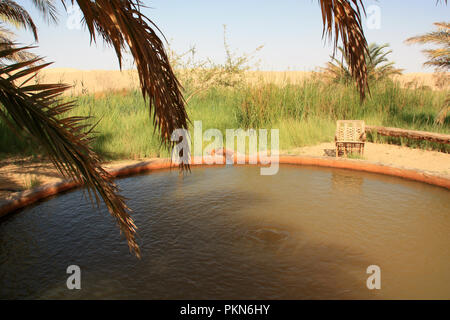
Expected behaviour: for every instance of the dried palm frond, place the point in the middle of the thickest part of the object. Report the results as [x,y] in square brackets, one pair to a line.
[38,112]
[121,24]
[30,108]
[7,42]
[342,18]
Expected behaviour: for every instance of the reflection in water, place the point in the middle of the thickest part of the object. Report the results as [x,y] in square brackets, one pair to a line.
[346,181]
[229,233]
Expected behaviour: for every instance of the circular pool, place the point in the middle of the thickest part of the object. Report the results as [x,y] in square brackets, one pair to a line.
[230,233]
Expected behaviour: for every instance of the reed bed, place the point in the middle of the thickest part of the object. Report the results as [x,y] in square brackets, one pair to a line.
[304,112]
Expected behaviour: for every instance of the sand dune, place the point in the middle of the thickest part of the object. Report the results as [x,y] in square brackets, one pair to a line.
[92,81]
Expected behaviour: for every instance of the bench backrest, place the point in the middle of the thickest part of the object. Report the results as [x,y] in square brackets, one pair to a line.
[350,130]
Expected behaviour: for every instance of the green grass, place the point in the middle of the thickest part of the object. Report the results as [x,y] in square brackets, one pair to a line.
[355,156]
[31,182]
[305,115]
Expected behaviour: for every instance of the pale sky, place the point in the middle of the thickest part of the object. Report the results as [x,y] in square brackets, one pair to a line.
[291,32]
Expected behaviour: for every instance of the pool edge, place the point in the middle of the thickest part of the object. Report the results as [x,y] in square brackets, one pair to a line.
[29,197]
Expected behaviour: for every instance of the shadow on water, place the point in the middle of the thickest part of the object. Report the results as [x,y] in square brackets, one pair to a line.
[346,180]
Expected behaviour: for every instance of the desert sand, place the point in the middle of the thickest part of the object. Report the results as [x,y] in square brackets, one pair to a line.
[95,81]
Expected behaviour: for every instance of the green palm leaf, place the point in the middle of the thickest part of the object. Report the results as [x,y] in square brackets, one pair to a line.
[378,65]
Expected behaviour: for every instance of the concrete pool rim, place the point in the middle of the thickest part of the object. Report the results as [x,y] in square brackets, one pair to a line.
[29,197]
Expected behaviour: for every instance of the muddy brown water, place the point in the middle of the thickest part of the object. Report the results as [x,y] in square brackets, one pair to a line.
[230,233]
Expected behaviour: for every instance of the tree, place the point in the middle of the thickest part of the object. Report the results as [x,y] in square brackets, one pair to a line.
[38,111]
[378,65]
[438,58]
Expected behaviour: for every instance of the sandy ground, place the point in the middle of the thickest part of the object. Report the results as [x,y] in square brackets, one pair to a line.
[17,175]
[433,162]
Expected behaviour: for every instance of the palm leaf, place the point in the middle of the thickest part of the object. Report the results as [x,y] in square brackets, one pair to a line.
[121,24]
[47,9]
[7,42]
[377,64]
[342,19]
[38,111]
[439,57]
[11,12]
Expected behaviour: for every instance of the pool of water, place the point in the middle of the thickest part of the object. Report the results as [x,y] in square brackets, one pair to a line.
[230,233]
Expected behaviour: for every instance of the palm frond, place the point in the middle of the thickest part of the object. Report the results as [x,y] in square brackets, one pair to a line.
[47,9]
[7,42]
[438,58]
[378,65]
[342,19]
[12,12]
[439,37]
[121,24]
[38,111]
